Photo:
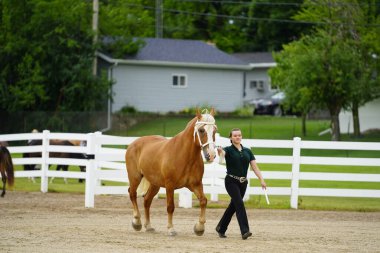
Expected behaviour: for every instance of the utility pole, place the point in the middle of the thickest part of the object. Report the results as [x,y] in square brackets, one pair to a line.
[159,22]
[95,18]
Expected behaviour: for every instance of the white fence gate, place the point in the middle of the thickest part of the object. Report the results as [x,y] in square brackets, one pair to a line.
[107,163]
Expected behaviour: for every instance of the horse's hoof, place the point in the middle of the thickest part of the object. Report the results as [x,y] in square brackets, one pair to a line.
[172,232]
[136,227]
[199,229]
[199,233]
[150,230]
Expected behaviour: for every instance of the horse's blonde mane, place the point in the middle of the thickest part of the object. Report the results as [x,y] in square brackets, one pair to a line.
[207,118]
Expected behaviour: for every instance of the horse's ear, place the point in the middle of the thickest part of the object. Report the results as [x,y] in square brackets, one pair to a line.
[199,115]
[212,112]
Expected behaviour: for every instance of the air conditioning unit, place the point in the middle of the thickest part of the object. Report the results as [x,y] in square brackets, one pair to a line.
[260,85]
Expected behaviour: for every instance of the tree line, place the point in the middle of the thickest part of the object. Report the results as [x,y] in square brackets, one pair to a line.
[46,47]
[327,50]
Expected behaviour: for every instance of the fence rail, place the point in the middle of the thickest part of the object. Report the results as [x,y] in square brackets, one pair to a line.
[107,163]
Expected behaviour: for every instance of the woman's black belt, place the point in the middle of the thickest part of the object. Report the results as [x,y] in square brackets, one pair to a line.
[241,179]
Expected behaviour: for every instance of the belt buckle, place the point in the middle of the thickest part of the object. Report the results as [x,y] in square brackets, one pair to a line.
[242,179]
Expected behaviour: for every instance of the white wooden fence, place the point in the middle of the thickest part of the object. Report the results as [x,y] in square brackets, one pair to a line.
[107,163]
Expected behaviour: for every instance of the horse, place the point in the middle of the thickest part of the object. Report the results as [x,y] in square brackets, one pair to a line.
[154,161]
[6,168]
[56,155]
[4,143]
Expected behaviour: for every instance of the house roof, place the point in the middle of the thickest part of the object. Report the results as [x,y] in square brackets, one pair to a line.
[257,59]
[176,52]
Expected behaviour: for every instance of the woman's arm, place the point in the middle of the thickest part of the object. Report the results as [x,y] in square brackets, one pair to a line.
[257,172]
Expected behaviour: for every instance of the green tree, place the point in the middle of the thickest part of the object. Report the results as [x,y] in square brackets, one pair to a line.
[121,23]
[46,57]
[272,25]
[234,26]
[358,24]
[366,37]
[327,66]
[21,78]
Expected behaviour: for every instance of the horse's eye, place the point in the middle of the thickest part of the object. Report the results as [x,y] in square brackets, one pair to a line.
[201,130]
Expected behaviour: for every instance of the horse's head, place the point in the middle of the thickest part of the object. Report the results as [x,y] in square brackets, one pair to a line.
[205,128]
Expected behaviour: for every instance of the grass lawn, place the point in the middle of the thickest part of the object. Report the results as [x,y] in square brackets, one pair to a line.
[257,127]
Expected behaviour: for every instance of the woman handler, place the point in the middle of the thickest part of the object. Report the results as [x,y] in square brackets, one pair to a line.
[238,159]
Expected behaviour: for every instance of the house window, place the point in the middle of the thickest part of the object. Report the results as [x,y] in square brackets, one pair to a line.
[179,80]
[257,84]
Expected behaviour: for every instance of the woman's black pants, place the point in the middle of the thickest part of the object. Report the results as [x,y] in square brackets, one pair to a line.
[236,190]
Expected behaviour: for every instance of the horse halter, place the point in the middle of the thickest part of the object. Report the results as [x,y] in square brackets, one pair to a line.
[198,125]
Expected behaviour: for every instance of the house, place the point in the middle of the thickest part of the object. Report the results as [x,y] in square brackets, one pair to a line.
[257,81]
[369,118]
[171,75]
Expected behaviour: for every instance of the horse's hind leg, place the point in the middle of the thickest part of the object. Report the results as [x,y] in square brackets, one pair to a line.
[170,209]
[65,168]
[4,179]
[82,169]
[133,184]
[52,178]
[152,191]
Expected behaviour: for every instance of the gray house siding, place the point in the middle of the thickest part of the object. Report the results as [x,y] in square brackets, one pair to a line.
[145,80]
[149,88]
[257,75]
[260,63]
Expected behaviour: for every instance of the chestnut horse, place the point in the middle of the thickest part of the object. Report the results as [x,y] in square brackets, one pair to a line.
[155,162]
[6,168]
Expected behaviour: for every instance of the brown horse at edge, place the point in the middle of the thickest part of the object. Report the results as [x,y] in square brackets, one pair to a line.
[6,168]
[155,161]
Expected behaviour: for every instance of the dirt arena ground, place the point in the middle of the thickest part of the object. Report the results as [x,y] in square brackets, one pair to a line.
[57,222]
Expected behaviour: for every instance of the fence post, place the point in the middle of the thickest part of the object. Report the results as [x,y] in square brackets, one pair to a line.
[44,157]
[90,172]
[97,150]
[214,196]
[89,201]
[295,172]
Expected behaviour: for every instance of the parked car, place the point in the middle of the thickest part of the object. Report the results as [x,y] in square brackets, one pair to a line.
[271,105]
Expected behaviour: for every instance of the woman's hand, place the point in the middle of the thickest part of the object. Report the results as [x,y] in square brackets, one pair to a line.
[221,154]
[263,184]
[219,149]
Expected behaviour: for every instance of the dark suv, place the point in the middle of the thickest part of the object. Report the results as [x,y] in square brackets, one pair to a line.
[271,105]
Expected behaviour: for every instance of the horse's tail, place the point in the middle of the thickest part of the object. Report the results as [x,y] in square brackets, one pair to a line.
[8,164]
[143,187]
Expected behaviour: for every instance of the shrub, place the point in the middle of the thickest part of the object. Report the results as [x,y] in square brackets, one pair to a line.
[128,109]
[245,111]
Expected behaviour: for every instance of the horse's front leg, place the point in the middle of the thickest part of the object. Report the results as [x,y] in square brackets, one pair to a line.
[199,227]
[170,210]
